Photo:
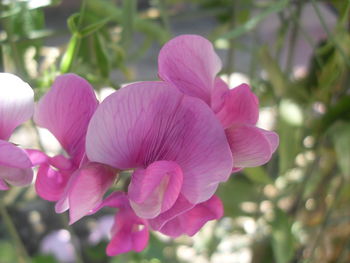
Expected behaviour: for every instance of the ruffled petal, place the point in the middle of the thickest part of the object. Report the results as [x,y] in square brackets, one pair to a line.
[190,63]
[66,111]
[193,220]
[150,121]
[251,146]
[16,103]
[155,189]
[128,233]
[88,188]
[239,106]
[50,183]
[15,165]
[181,206]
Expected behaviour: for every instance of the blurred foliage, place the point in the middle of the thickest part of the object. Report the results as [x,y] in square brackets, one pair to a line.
[295,208]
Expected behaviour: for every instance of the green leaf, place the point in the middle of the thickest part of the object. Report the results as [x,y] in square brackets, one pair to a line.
[94,27]
[101,56]
[253,22]
[73,23]
[340,134]
[282,237]
[129,14]
[257,175]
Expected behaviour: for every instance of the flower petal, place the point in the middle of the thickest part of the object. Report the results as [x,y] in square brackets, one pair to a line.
[129,233]
[66,111]
[239,106]
[191,64]
[50,183]
[16,103]
[87,189]
[192,221]
[181,206]
[155,189]
[150,121]
[251,146]
[15,165]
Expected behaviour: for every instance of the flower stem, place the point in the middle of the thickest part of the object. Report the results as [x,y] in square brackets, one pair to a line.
[22,254]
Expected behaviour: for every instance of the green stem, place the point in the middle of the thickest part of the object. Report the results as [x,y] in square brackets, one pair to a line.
[329,33]
[22,254]
[231,50]
[164,14]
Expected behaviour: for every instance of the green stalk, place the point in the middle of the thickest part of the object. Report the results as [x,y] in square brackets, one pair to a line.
[21,254]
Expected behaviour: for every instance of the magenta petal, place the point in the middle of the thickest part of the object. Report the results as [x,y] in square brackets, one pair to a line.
[155,189]
[250,145]
[239,106]
[50,183]
[129,233]
[66,111]
[191,64]
[192,221]
[15,165]
[88,188]
[16,103]
[150,121]
[37,157]
[218,93]
[181,206]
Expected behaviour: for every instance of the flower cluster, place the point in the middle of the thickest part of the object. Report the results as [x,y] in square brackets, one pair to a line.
[179,138]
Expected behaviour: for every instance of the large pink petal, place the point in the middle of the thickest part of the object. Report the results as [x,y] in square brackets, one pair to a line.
[251,146]
[239,106]
[87,189]
[191,64]
[192,221]
[155,189]
[66,111]
[150,121]
[128,233]
[16,103]
[50,183]
[15,165]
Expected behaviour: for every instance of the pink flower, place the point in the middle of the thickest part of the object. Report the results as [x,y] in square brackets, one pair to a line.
[191,65]
[66,111]
[178,152]
[16,107]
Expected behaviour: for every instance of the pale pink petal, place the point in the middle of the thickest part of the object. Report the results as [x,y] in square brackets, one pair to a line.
[15,165]
[3,185]
[50,183]
[66,111]
[128,233]
[16,103]
[150,121]
[191,64]
[239,106]
[181,206]
[37,157]
[88,189]
[193,220]
[218,93]
[115,200]
[250,145]
[155,189]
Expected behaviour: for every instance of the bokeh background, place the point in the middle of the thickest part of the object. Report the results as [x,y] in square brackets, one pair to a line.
[295,54]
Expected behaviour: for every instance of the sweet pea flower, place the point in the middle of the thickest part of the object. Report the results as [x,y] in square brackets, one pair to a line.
[16,107]
[191,65]
[65,110]
[178,152]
